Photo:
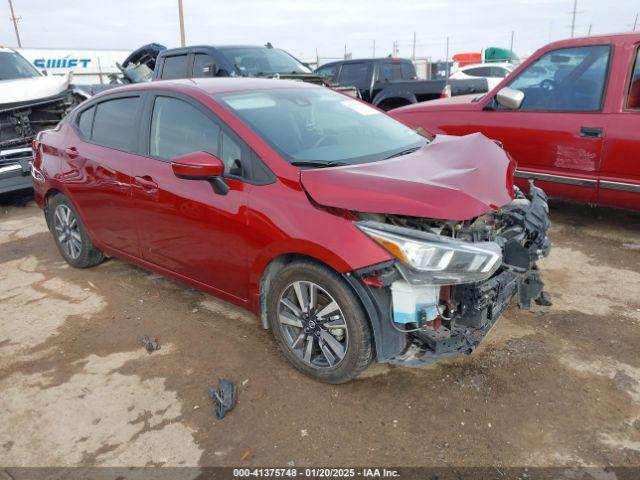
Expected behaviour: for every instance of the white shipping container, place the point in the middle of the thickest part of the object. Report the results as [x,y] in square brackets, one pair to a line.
[88,66]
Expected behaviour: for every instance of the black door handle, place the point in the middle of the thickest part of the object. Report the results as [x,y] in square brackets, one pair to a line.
[591,132]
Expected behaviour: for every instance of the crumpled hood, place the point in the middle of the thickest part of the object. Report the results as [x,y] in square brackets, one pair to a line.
[451,178]
[28,89]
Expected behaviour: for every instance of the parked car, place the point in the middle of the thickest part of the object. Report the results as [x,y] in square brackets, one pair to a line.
[384,82]
[350,235]
[29,102]
[493,72]
[237,61]
[569,116]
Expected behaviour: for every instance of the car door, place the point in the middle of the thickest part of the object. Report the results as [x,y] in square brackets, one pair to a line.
[98,169]
[556,136]
[184,226]
[619,184]
[175,66]
[357,74]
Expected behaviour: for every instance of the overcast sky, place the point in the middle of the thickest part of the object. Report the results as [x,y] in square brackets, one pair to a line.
[303,26]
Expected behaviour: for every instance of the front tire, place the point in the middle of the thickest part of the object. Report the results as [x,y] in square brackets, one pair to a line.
[318,322]
[70,235]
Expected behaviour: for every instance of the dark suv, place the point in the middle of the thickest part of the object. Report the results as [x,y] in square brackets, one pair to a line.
[231,61]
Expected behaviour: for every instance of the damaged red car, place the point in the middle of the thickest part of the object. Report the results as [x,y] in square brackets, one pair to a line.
[352,237]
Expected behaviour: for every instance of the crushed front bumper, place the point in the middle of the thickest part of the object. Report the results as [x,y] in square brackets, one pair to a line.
[466,312]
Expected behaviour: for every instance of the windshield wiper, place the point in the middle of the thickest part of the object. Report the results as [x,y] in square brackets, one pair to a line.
[403,152]
[317,163]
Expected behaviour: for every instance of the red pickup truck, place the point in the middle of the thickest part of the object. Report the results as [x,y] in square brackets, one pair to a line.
[569,116]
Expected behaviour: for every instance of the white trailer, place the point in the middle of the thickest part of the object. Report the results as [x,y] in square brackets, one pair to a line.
[88,66]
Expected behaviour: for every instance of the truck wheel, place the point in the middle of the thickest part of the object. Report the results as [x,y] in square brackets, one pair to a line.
[70,236]
[318,322]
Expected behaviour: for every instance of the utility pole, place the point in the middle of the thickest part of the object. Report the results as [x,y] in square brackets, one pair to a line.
[511,48]
[15,19]
[181,15]
[447,59]
[317,58]
[589,32]
[573,17]
[374,49]
[635,23]
[414,47]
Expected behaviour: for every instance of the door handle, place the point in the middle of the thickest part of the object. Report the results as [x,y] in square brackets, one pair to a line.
[146,182]
[591,132]
[72,152]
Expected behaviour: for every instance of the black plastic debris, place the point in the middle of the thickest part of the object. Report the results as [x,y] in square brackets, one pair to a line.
[544,299]
[150,343]
[224,397]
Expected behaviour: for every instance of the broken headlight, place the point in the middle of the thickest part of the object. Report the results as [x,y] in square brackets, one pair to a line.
[435,259]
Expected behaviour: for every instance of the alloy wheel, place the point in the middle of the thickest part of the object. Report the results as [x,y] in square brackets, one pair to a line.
[313,324]
[68,231]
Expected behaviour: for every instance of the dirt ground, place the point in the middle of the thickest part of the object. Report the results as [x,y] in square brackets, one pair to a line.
[555,386]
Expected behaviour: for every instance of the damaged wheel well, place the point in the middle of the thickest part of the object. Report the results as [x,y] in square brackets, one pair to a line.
[278,264]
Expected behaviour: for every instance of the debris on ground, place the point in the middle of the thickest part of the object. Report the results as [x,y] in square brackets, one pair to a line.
[631,246]
[150,344]
[245,455]
[224,396]
[544,300]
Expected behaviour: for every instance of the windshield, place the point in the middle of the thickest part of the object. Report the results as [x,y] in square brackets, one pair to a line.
[320,125]
[13,66]
[259,61]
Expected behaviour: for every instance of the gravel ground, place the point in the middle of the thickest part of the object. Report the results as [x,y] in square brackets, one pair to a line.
[554,386]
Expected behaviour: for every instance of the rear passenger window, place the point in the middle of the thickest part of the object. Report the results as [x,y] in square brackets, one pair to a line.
[85,122]
[353,74]
[202,65]
[478,72]
[114,125]
[408,71]
[178,128]
[174,67]
[390,71]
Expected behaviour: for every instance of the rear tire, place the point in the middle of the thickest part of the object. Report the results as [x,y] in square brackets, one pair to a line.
[70,235]
[328,338]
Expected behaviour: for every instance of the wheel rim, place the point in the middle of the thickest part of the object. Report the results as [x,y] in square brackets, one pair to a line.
[68,231]
[313,324]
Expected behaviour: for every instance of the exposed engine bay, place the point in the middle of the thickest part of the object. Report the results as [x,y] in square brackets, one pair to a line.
[19,123]
[434,316]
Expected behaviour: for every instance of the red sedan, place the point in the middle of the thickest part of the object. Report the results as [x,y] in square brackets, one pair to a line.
[351,236]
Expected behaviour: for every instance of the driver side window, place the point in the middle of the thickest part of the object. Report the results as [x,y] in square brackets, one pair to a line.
[565,80]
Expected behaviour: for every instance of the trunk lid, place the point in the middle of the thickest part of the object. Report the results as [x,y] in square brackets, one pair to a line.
[451,178]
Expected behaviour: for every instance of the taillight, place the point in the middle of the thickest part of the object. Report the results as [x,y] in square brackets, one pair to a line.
[446,92]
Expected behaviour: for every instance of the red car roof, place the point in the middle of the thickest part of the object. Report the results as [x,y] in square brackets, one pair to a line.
[212,86]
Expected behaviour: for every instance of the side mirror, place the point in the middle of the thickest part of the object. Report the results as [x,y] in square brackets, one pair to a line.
[510,98]
[201,166]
